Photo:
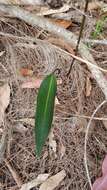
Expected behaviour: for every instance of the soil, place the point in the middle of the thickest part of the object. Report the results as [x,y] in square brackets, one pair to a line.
[71,116]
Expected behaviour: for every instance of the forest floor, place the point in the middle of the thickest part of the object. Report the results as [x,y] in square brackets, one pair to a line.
[30,53]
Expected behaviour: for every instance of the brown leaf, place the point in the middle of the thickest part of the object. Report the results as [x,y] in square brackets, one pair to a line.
[26,72]
[52,182]
[60,22]
[4,100]
[88,87]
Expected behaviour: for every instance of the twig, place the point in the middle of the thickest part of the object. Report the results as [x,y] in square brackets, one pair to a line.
[59,31]
[86,140]
[102,42]
[80,35]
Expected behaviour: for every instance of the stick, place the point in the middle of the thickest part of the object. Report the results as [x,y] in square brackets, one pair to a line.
[80,35]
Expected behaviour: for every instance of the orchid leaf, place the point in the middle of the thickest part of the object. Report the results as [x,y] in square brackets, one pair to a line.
[44,111]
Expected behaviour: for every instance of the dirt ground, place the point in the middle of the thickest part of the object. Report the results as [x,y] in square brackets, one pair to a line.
[71,114]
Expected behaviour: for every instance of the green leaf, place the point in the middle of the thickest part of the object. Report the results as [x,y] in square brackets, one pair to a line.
[44,111]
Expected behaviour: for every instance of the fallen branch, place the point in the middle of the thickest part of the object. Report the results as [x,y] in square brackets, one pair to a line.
[102,42]
[59,31]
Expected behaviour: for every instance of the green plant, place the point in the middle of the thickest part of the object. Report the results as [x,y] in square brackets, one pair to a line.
[44,111]
[99,27]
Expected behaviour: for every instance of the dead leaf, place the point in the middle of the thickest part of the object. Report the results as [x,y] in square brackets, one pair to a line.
[54,11]
[62,150]
[52,142]
[32,83]
[88,87]
[60,22]
[52,182]
[40,179]
[1,53]
[26,72]
[35,83]
[4,100]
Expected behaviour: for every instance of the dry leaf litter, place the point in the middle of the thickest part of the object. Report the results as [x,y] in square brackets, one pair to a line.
[75,100]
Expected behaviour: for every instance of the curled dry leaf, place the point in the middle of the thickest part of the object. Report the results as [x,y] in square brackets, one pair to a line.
[88,87]
[62,150]
[52,182]
[40,179]
[101,182]
[4,100]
